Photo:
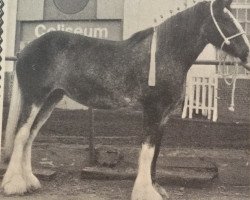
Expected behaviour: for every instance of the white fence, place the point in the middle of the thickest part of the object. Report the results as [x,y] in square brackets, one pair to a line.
[201,97]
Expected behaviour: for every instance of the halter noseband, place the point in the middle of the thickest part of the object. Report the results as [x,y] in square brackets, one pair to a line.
[226,39]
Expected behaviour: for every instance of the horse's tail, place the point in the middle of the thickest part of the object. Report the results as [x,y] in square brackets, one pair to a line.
[13,117]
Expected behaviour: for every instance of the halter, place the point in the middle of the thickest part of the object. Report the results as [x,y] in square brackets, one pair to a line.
[237,24]
[227,42]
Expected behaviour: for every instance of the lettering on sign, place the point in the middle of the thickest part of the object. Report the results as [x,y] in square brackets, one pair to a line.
[96,32]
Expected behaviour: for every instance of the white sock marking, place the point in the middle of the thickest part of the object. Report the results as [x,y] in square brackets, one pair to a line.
[15,168]
[145,161]
[143,188]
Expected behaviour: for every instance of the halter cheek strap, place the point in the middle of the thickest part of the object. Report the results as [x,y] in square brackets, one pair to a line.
[237,24]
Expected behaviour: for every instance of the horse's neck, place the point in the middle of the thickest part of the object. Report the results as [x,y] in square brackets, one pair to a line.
[179,37]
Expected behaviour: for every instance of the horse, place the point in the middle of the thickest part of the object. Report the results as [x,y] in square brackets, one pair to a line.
[113,74]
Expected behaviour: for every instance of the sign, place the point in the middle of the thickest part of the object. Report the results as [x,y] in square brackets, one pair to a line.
[73,7]
[97,32]
[111,30]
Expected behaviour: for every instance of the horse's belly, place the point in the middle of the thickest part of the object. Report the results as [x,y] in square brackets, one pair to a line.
[113,97]
[101,102]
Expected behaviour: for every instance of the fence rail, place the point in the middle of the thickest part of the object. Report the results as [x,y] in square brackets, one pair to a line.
[201,97]
[197,62]
[11,58]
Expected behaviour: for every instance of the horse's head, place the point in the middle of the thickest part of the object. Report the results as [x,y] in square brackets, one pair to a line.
[223,31]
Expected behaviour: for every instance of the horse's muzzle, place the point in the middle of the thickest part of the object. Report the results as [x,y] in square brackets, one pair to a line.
[244,59]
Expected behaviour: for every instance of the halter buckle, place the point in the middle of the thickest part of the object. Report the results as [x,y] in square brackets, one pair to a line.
[227,42]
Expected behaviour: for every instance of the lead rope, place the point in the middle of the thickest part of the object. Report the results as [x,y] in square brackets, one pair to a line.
[232,83]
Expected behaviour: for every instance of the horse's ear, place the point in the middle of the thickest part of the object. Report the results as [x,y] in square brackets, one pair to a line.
[221,4]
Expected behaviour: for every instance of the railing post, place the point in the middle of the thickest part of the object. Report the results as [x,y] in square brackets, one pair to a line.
[204,94]
[91,136]
[201,94]
[210,97]
[2,72]
[215,114]
[197,94]
[191,97]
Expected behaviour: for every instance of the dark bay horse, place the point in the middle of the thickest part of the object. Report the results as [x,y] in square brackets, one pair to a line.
[108,74]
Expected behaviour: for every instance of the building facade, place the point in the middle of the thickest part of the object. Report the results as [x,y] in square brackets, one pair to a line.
[118,20]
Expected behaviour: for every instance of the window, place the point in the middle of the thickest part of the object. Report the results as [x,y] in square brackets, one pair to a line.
[241,10]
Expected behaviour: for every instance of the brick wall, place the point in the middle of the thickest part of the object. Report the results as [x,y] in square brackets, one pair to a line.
[242,101]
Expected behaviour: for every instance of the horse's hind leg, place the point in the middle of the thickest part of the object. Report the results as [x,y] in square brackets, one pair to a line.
[13,181]
[18,178]
[44,113]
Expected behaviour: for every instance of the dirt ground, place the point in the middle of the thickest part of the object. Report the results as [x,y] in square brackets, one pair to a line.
[67,185]
[67,160]
[70,187]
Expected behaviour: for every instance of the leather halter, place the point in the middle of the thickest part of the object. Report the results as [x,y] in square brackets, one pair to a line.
[237,24]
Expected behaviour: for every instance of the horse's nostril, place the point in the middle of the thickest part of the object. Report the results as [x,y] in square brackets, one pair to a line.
[244,57]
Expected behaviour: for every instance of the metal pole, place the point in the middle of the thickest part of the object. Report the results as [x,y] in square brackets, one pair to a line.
[91,136]
[212,62]
[11,58]
[197,62]
[2,73]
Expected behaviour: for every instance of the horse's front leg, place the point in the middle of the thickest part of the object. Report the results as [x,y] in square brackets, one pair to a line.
[145,187]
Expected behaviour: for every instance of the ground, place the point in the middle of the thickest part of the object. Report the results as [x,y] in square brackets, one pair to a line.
[70,187]
[67,161]
[62,146]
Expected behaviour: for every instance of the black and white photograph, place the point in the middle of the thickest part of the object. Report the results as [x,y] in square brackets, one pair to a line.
[125,99]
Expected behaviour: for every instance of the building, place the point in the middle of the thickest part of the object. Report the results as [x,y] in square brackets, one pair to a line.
[118,20]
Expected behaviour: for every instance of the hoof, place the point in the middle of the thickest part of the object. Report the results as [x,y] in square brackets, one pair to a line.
[147,192]
[161,191]
[14,185]
[32,182]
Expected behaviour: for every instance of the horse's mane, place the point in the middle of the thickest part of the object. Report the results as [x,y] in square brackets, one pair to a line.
[177,21]
[141,35]
[184,24]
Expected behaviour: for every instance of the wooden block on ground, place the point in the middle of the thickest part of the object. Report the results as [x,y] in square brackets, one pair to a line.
[45,174]
[193,163]
[179,176]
